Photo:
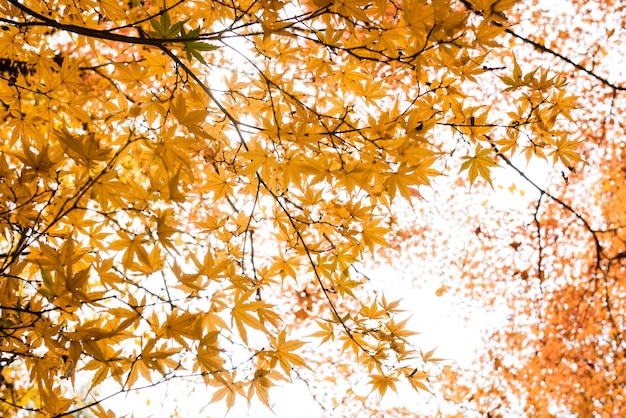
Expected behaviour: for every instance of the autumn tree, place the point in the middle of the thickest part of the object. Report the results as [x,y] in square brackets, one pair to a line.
[188,189]
[552,270]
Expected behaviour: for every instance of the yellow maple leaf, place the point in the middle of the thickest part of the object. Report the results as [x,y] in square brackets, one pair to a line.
[381,383]
[480,164]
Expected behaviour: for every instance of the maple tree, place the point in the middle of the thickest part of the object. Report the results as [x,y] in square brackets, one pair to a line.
[187,185]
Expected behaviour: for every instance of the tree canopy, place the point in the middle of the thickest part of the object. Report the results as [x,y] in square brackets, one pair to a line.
[189,191]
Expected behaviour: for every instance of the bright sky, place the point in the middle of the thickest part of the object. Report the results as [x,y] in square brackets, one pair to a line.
[440,320]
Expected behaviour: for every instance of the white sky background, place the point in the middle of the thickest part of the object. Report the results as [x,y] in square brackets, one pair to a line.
[441,321]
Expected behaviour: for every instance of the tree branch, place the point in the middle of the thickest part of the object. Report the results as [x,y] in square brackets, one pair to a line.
[93,33]
[543,48]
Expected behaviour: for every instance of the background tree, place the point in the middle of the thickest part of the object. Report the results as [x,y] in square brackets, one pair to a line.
[552,272]
[188,188]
